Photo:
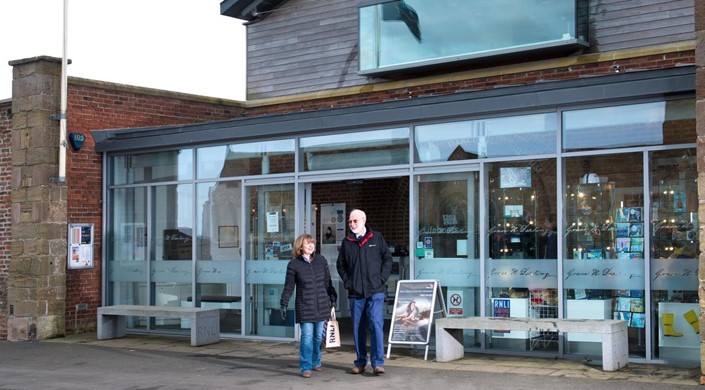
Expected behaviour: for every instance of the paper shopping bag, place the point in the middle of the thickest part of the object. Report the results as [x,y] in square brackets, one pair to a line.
[332,335]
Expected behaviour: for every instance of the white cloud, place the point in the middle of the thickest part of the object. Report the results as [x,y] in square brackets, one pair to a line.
[175,45]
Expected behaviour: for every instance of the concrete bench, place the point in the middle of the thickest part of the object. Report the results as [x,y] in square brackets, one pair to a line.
[615,350]
[205,323]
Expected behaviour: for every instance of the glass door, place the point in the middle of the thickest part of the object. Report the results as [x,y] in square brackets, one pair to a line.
[268,248]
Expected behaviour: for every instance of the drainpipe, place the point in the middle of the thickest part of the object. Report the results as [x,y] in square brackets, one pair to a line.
[64,103]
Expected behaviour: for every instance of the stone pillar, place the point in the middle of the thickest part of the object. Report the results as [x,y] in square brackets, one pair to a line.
[36,284]
[700,127]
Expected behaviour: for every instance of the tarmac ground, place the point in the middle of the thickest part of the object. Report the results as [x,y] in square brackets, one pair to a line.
[141,362]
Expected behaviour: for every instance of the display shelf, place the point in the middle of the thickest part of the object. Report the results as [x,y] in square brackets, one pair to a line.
[590,224]
[674,328]
[674,221]
[514,232]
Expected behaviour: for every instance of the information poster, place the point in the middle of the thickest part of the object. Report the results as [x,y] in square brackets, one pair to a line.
[333,224]
[80,251]
[413,312]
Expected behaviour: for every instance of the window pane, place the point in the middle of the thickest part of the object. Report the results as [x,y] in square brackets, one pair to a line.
[171,249]
[674,255]
[355,150]
[127,248]
[151,167]
[603,273]
[256,158]
[218,249]
[658,123]
[447,237]
[522,268]
[500,137]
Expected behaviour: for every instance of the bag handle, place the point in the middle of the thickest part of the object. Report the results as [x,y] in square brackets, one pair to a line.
[332,313]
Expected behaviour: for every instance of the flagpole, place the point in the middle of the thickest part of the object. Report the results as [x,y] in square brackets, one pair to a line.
[64,99]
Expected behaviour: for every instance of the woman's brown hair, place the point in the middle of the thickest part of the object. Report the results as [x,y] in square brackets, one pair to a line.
[300,241]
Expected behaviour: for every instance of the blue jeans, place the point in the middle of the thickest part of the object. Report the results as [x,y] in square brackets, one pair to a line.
[368,312]
[310,345]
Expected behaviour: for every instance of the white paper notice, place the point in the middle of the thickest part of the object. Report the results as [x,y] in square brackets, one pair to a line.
[273,222]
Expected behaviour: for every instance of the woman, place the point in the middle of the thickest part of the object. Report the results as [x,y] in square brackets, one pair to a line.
[315,295]
[410,314]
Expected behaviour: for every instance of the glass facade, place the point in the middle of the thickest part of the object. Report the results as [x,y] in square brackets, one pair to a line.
[412,33]
[584,213]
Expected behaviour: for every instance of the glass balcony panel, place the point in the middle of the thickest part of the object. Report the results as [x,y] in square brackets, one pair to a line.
[404,34]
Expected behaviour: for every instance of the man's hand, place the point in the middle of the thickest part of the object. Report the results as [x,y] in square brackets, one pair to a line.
[283,312]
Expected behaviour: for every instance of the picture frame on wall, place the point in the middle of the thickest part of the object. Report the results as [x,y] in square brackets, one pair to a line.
[228,236]
[636,230]
[622,215]
[622,229]
[635,214]
[679,202]
[622,244]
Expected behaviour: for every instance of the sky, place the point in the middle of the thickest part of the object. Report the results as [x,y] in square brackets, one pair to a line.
[176,45]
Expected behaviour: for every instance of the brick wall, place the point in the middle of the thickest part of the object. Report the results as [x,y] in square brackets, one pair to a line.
[95,106]
[480,80]
[5,218]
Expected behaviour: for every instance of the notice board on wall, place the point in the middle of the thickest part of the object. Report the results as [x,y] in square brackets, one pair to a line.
[80,250]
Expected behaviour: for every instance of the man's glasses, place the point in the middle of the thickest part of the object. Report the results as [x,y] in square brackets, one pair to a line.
[355,221]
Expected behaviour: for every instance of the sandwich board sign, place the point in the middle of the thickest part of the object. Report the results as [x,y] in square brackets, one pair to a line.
[414,308]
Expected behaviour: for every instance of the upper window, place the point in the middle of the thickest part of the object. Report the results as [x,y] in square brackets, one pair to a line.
[658,123]
[522,135]
[405,34]
[255,158]
[355,150]
[170,165]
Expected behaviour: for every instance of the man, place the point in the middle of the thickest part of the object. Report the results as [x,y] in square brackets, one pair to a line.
[364,264]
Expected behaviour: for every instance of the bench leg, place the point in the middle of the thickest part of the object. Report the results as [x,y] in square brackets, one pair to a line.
[449,344]
[205,329]
[111,326]
[615,351]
